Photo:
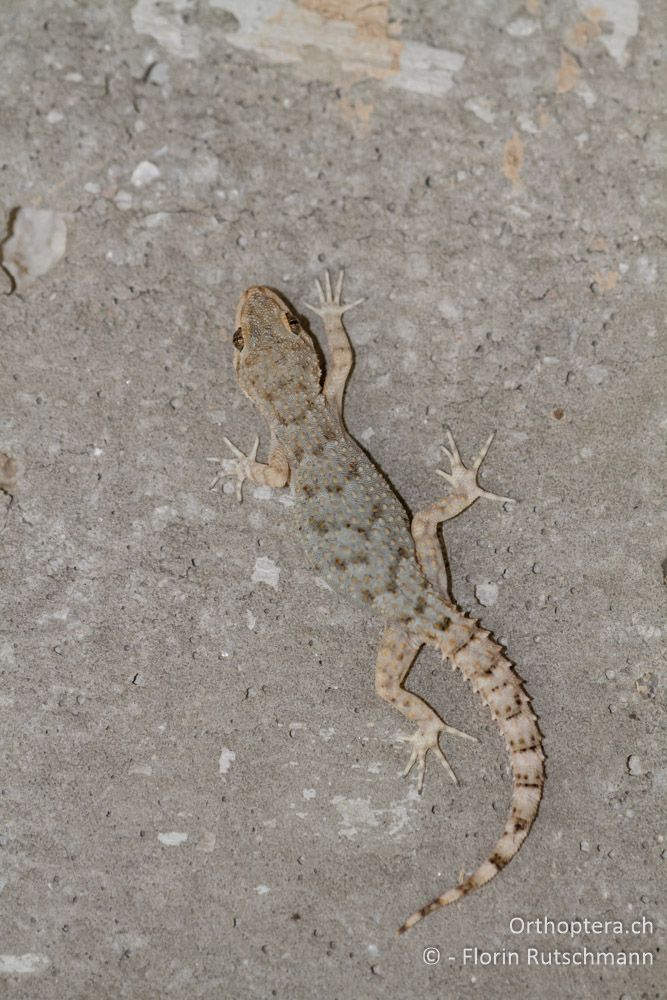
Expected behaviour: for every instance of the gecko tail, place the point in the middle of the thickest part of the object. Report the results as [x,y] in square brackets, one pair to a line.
[483,663]
[504,851]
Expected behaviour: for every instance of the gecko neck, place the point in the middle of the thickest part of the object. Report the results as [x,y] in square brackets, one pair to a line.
[306,432]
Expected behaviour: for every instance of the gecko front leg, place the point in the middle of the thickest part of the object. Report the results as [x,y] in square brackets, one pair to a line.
[276,473]
[397,653]
[330,310]
[465,490]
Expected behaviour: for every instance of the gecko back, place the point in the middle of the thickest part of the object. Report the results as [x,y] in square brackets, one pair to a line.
[356,531]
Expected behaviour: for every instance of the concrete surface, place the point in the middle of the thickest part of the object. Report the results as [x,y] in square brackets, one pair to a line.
[200,790]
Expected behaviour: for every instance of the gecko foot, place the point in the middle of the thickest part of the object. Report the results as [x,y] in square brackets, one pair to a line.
[423,741]
[464,480]
[238,466]
[330,304]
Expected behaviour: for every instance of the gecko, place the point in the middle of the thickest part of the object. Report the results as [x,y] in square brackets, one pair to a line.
[360,539]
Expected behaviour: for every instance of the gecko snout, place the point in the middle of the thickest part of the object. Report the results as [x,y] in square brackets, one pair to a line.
[259,304]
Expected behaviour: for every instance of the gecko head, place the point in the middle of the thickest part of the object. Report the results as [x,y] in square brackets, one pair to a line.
[274,357]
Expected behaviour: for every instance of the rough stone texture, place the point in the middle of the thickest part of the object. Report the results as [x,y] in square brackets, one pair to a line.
[200,788]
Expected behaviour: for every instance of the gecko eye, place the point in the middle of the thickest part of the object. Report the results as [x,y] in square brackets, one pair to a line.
[293,322]
[237,339]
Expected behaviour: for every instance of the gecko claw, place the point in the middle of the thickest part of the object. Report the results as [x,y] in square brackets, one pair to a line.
[461,478]
[423,742]
[238,466]
[330,303]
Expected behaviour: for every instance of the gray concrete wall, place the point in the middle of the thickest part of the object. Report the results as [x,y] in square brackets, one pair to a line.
[201,793]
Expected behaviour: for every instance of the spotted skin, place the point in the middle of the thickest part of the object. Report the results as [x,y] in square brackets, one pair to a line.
[358,536]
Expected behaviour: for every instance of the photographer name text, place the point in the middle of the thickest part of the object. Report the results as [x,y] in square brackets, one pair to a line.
[574,954]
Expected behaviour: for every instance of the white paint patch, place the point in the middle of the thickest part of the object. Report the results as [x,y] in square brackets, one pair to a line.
[155,219]
[358,812]
[647,269]
[522,27]
[123,200]
[55,117]
[355,813]
[172,839]
[164,20]
[588,96]
[482,109]
[38,241]
[309,793]
[23,963]
[159,75]
[206,841]
[162,516]
[251,621]
[426,70]
[144,173]
[284,32]
[526,124]
[624,16]
[266,571]
[262,890]
[634,765]
[449,310]
[53,616]
[400,812]
[660,780]
[647,632]
[124,940]
[7,654]
[204,169]
[486,594]
[263,492]
[596,374]
[227,758]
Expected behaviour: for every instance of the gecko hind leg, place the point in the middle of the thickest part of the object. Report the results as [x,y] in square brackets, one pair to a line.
[397,653]
[465,490]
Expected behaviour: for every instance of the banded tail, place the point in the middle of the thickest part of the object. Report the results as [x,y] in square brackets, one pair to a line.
[481,661]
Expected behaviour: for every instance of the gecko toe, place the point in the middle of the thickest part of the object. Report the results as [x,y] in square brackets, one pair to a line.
[423,741]
[330,304]
[239,466]
[462,479]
